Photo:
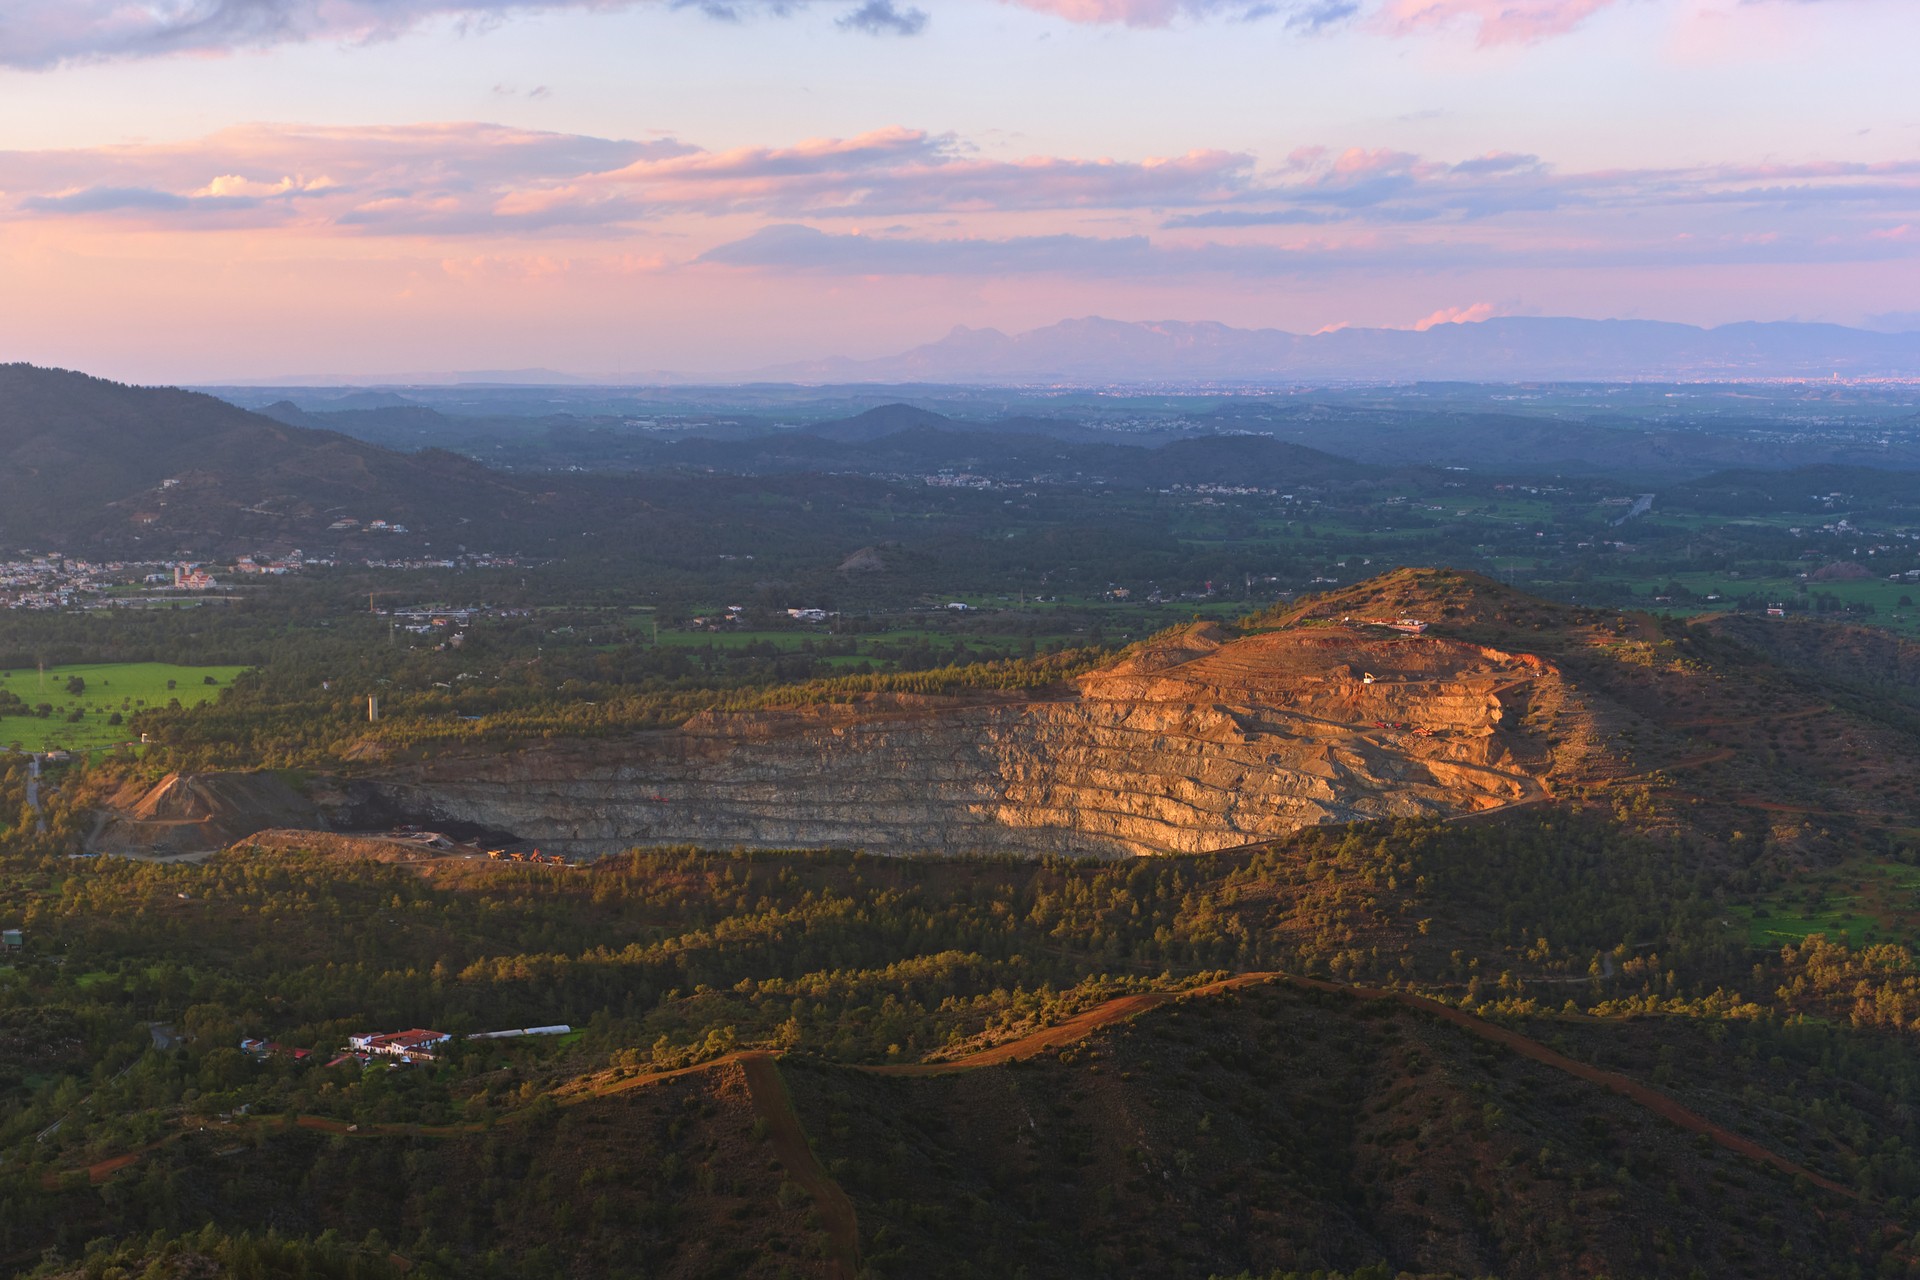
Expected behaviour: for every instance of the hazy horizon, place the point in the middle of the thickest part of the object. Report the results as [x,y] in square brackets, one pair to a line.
[897,366]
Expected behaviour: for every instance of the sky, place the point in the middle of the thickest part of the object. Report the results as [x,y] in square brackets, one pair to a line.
[213,190]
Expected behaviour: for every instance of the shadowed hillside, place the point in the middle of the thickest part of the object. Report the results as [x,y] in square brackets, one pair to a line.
[84,461]
[1265,1130]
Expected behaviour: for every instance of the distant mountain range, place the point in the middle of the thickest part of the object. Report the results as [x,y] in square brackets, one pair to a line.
[1100,351]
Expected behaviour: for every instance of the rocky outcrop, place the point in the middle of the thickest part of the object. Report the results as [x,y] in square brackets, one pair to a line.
[1199,742]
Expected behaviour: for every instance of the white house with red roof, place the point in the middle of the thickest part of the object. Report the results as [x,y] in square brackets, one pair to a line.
[416,1043]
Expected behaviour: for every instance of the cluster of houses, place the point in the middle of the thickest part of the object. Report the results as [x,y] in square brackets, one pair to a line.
[736,614]
[254,566]
[416,564]
[542,859]
[350,525]
[53,581]
[1223,490]
[446,621]
[417,1045]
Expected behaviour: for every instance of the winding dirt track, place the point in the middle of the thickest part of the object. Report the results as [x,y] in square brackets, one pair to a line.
[1078,1027]
[773,1104]
[1627,1087]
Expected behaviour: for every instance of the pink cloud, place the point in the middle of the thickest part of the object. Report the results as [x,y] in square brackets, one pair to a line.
[1356,160]
[272,174]
[933,204]
[1473,314]
[1495,21]
[901,170]
[1132,13]
[1307,16]
[459,179]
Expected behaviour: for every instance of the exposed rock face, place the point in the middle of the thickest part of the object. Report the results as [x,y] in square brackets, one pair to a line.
[1194,744]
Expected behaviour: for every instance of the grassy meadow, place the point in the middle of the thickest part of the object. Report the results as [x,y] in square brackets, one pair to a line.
[1858,902]
[109,687]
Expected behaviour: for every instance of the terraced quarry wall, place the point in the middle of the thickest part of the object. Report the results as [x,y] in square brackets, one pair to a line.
[1194,744]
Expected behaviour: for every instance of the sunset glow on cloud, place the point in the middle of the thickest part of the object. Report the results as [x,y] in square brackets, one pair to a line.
[569,183]
[1495,21]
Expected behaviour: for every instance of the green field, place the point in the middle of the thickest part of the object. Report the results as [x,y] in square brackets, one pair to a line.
[1771,926]
[1885,596]
[1857,902]
[124,687]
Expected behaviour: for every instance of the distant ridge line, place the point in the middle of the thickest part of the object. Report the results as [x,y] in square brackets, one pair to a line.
[1100,351]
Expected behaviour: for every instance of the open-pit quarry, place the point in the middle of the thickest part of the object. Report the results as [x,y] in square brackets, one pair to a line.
[1196,742]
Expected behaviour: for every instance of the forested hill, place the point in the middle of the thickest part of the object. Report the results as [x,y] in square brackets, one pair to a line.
[90,464]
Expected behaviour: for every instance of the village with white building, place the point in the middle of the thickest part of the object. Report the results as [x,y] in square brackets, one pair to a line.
[52,580]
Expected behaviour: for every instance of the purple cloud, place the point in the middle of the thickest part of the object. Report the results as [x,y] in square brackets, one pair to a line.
[116,199]
[37,34]
[807,250]
[799,248]
[883,18]
[1390,188]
